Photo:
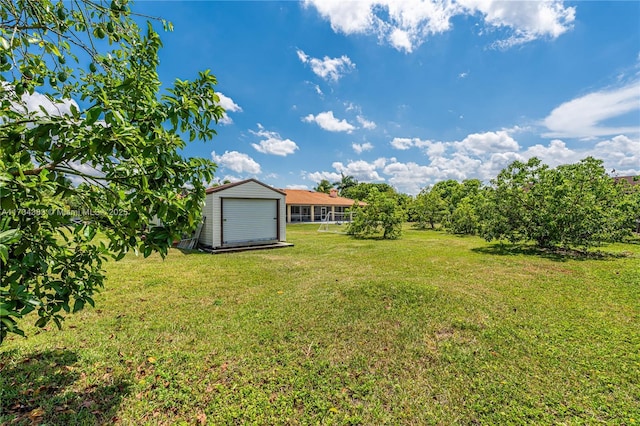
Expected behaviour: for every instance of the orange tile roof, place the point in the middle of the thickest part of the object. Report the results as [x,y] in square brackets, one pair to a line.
[305,197]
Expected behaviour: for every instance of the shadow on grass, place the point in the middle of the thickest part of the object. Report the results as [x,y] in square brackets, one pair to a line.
[556,254]
[42,388]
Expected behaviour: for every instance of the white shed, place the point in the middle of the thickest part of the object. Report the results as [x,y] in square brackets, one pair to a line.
[244,213]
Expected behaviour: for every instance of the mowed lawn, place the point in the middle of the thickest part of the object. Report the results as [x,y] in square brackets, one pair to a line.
[428,329]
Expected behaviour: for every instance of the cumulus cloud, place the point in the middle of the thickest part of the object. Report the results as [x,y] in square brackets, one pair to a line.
[229,106]
[488,142]
[410,177]
[406,143]
[584,117]
[528,20]
[318,176]
[361,170]
[327,121]
[483,156]
[366,124]
[298,186]
[554,154]
[621,153]
[237,162]
[406,24]
[273,143]
[359,148]
[328,68]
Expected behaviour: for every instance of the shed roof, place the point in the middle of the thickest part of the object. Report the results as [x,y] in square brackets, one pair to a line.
[311,198]
[241,182]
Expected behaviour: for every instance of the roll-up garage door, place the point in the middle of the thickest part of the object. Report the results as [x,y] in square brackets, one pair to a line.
[249,220]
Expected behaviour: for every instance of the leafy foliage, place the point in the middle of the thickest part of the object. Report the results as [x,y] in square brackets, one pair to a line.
[429,207]
[122,145]
[572,205]
[345,183]
[324,186]
[382,213]
[451,203]
[361,191]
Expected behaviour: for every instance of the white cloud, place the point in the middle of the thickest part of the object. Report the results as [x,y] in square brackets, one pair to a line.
[621,153]
[361,170]
[366,124]
[36,102]
[483,156]
[318,176]
[402,143]
[583,117]
[327,121]
[410,177]
[401,40]
[463,74]
[458,166]
[229,105]
[237,161]
[298,186]
[406,143]
[328,68]
[488,142]
[360,148]
[554,154]
[273,143]
[405,24]
[436,149]
[529,20]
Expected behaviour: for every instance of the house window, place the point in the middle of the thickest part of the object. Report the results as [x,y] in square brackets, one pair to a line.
[300,214]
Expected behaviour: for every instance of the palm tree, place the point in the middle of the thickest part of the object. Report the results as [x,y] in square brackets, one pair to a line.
[324,186]
[345,183]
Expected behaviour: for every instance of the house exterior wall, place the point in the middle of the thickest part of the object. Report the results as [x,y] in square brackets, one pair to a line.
[300,213]
[212,229]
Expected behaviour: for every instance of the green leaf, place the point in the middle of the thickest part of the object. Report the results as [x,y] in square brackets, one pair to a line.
[92,115]
[10,236]
[4,253]
[78,305]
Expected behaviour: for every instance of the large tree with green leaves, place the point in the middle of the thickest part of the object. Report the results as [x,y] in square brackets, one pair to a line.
[429,208]
[380,214]
[573,205]
[102,120]
[360,191]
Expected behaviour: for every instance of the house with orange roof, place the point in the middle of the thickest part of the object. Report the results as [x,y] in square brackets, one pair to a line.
[310,206]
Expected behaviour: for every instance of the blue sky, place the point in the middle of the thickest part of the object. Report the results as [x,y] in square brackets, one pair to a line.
[409,92]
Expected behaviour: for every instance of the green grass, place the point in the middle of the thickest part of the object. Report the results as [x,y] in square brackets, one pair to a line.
[428,329]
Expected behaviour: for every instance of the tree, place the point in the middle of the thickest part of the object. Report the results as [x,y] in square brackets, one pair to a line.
[452,204]
[466,201]
[324,186]
[574,205]
[380,214]
[345,183]
[361,191]
[122,141]
[465,219]
[430,208]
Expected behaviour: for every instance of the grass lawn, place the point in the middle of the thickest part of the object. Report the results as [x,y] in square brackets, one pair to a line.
[428,329]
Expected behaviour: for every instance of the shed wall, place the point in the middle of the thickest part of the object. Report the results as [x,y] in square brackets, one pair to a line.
[212,228]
